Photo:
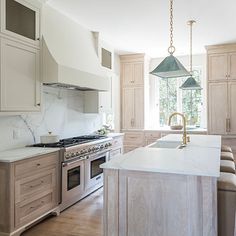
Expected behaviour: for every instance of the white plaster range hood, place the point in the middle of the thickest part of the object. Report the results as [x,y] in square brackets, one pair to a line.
[69,55]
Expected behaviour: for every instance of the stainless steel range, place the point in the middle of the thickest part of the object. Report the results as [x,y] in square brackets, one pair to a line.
[80,160]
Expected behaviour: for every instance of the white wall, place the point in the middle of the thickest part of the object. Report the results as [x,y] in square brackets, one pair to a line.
[198,61]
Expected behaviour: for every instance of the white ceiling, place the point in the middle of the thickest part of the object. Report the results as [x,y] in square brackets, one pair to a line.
[143,25]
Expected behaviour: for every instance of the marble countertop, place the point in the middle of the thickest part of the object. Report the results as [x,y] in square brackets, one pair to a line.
[201,157]
[19,154]
[111,135]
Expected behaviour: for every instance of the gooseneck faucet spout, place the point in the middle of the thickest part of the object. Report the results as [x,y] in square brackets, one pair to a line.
[185,137]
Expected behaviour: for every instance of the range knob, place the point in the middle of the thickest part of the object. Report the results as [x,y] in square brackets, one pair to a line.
[67,156]
[106,145]
[93,149]
[77,153]
[89,150]
[72,155]
[102,146]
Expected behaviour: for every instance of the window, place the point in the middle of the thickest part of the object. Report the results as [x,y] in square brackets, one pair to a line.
[172,99]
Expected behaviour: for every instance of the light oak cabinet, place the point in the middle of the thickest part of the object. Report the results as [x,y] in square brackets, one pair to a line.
[29,190]
[217,107]
[133,108]
[221,66]
[222,89]
[132,73]
[20,77]
[134,82]
[20,19]
[133,140]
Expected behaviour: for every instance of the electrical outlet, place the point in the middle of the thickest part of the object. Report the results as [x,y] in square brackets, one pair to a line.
[16,134]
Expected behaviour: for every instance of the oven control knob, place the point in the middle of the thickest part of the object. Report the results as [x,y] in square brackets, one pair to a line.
[97,148]
[77,153]
[109,144]
[106,145]
[101,147]
[81,151]
[89,150]
[94,149]
[72,154]
[67,156]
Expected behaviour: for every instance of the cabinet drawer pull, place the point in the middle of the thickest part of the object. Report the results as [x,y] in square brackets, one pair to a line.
[38,164]
[36,185]
[38,104]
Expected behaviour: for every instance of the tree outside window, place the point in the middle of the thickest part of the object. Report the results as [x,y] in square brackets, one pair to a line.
[172,99]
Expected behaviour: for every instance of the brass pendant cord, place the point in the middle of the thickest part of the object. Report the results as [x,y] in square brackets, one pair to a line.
[171,48]
[190,23]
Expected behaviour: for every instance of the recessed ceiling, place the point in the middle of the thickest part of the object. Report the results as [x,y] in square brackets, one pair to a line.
[135,26]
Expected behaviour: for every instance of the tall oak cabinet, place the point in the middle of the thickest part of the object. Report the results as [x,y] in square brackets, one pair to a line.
[222,89]
[222,92]
[134,98]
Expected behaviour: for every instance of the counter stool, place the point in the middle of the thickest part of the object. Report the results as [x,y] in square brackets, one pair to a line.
[226,204]
[227,156]
[227,166]
[225,148]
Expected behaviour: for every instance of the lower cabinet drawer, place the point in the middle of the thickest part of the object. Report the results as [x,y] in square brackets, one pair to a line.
[28,211]
[133,138]
[129,148]
[29,187]
[27,167]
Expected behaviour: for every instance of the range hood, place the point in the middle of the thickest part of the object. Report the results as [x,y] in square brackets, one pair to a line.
[69,55]
[57,74]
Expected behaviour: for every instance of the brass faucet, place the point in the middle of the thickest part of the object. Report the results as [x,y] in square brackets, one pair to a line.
[185,137]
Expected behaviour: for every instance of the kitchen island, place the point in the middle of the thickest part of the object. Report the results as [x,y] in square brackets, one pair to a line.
[164,189]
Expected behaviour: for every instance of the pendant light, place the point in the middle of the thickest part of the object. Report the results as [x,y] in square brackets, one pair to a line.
[170,67]
[191,83]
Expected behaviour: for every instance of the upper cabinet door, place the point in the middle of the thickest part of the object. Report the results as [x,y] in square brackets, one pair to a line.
[138,73]
[217,108]
[232,66]
[133,74]
[217,67]
[20,77]
[20,20]
[127,74]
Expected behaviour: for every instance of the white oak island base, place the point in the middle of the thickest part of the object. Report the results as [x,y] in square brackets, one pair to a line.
[138,203]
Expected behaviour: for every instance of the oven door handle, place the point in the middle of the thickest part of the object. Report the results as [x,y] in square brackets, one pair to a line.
[64,164]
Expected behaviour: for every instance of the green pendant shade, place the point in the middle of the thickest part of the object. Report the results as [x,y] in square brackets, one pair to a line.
[190,84]
[170,67]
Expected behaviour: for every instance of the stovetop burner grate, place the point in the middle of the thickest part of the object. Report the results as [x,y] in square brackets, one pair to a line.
[71,141]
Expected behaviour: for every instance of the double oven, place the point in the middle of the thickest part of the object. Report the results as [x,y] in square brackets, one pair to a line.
[81,176]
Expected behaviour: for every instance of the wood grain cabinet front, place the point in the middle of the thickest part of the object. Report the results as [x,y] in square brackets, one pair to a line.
[221,89]
[29,190]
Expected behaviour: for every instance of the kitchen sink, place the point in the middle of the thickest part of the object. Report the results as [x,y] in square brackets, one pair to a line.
[166,144]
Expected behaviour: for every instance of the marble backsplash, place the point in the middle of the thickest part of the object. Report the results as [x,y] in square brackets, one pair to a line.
[62,114]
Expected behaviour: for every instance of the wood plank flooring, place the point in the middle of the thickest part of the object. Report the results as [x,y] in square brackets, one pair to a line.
[81,219]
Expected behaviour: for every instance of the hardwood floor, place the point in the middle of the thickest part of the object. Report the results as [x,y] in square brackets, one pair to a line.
[82,219]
